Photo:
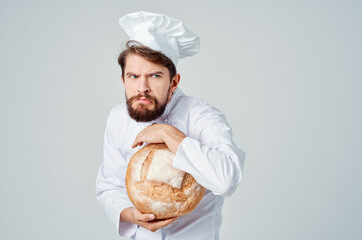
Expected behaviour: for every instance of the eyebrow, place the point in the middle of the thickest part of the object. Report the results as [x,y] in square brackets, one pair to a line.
[131,74]
[152,73]
[156,73]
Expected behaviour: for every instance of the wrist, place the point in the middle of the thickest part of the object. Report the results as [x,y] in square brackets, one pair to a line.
[127,215]
[173,138]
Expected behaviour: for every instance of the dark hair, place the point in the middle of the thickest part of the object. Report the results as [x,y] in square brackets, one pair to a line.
[134,47]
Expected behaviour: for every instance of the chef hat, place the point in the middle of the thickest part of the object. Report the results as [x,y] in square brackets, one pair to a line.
[161,33]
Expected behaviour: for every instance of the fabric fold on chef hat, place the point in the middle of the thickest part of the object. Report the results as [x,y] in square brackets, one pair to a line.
[161,33]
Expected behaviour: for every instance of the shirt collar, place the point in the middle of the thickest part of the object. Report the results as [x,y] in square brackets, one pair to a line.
[170,105]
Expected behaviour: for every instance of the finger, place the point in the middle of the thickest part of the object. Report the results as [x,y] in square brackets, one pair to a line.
[144,217]
[157,224]
[163,222]
[137,140]
[136,144]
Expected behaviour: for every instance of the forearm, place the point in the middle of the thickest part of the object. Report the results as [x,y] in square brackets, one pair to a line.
[112,199]
[132,215]
[217,168]
[112,196]
[173,138]
[160,133]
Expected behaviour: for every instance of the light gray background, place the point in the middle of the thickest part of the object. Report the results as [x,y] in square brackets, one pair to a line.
[287,74]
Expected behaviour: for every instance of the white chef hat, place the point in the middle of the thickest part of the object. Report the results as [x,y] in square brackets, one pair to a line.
[161,33]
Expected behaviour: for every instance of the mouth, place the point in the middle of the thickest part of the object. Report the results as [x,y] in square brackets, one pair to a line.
[143,100]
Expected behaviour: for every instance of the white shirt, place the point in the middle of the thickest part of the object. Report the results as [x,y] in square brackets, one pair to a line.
[207,153]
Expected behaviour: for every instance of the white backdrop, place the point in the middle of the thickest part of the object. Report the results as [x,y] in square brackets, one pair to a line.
[287,75]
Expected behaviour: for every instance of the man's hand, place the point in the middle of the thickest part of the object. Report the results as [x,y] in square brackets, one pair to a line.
[147,221]
[160,133]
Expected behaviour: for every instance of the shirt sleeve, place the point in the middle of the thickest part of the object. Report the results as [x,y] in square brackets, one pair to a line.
[110,184]
[211,157]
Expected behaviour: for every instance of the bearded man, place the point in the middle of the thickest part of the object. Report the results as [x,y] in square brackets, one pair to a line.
[157,111]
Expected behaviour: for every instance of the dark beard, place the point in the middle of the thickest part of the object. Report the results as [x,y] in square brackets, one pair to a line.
[141,113]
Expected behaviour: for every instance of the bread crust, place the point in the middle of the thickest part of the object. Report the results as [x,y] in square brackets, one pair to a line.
[156,196]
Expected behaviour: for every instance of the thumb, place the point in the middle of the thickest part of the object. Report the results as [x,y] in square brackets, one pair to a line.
[150,217]
[144,217]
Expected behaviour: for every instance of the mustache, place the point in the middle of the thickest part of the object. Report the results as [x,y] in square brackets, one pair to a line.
[145,95]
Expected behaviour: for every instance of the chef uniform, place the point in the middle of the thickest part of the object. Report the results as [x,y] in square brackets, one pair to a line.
[208,152]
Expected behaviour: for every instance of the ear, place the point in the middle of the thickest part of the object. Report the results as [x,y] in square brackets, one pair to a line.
[175,81]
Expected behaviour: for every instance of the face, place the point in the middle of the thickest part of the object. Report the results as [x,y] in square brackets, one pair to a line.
[148,88]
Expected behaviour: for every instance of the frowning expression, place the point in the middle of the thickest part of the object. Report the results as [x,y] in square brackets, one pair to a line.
[148,88]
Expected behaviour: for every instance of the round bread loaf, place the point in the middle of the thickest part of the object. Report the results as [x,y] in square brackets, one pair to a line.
[154,186]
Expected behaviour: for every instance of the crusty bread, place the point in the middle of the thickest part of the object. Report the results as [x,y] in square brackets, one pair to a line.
[154,186]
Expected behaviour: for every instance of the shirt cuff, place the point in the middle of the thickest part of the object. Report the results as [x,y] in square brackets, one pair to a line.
[126,229]
[180,156]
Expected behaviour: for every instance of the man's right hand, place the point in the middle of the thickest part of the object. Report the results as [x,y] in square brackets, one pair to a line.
[147,221]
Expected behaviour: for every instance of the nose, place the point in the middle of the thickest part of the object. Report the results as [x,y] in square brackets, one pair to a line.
[143,86]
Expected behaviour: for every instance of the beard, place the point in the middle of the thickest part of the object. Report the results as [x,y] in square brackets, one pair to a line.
[141,113]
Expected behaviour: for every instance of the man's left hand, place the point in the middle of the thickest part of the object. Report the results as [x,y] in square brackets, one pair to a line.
[160,133]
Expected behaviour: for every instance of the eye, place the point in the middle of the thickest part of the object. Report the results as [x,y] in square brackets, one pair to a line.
[155,76]
[132,76]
